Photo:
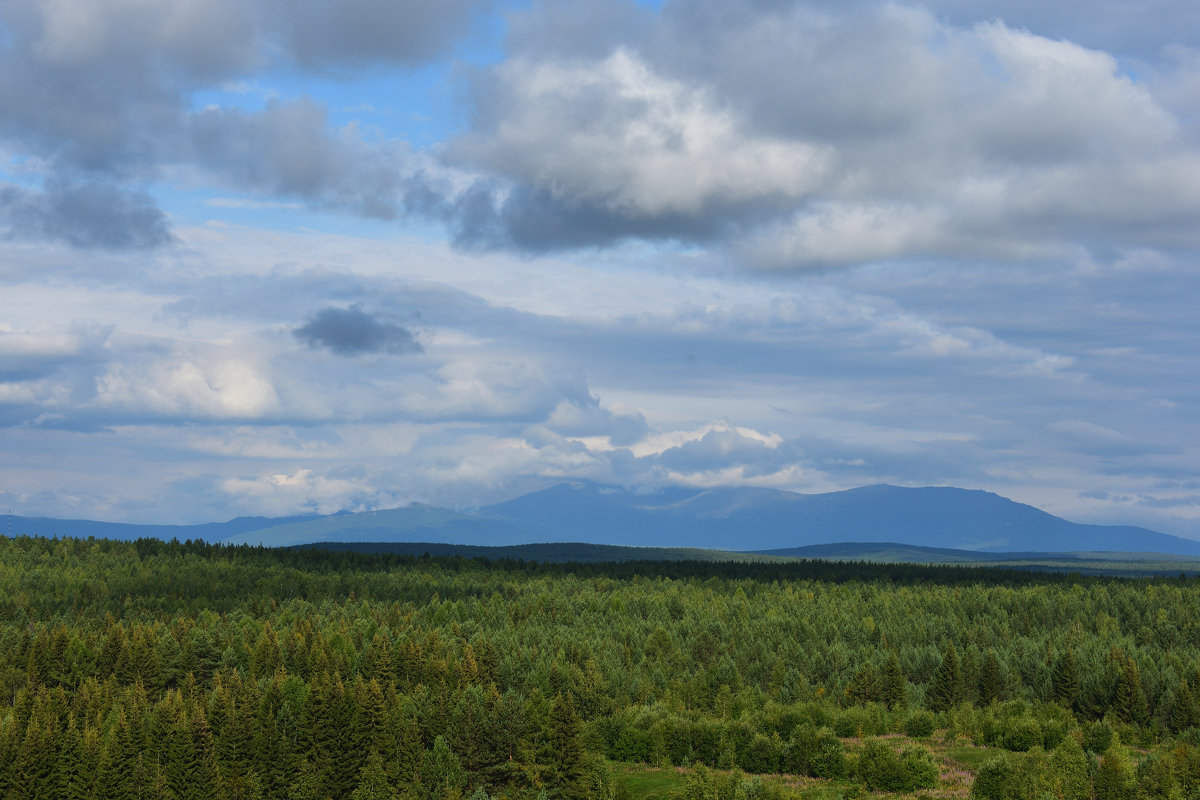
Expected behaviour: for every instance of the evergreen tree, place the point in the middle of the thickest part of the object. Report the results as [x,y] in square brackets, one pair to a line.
[893,686]
[442,774]
[1070,776]
[991,680]
[566,768]
[372,781]
[946,691]
[1129,699]
[1065,680]
[1114,777]
[863,687]
[1156,779]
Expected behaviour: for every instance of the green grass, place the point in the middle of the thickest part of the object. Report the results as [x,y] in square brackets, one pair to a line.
[650,783]
[957,761]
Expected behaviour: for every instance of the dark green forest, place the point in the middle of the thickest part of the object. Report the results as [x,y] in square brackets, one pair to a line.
[186,670]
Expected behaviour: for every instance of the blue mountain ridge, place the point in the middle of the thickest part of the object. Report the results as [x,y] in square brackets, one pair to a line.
[743,519]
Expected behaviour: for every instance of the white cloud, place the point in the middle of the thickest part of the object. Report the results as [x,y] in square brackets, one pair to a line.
[619,136]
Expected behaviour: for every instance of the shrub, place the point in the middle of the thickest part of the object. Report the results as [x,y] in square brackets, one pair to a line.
[882,769]
[828,757]
[919,725]
[1097,737]
[919,769]
[1021,735]
[761,755]
[993,780]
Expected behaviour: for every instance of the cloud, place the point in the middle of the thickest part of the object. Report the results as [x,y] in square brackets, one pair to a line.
[107,91]
[1088,437]
[599,151]
[289,149]
[352,331]
[794,138]
[326,34]
[89,214]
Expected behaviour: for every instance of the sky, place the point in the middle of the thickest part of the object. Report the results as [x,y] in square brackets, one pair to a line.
[265,257]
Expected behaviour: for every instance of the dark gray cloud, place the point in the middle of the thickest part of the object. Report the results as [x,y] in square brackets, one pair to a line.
[88,214]
[320,33]
[352,331]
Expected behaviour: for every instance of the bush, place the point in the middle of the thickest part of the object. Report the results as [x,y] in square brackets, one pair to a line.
[919,769]
[761,755]
[853,722]
[919,725]
[993,780]
[1097,737]
[1021,735]
[828,757]
[816,753]
[883,770]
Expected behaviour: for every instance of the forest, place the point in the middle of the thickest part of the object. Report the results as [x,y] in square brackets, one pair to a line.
[200,672]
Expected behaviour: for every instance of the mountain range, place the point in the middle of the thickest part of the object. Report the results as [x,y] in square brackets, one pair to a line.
[740,519]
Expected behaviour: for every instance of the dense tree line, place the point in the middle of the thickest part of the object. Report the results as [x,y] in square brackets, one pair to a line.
[151,669]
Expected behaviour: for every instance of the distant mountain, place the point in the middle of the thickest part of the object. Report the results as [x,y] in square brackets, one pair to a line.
[412,523]
[83,528]
[768,519]
[742,519]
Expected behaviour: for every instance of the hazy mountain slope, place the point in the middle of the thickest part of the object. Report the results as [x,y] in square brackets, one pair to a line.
[412,523]
[767,519]
[83,528]
[744,519]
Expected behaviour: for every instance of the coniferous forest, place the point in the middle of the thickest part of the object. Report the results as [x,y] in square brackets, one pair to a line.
[193,671]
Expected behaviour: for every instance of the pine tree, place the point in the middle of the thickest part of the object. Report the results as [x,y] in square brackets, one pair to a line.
[893,686]
[566,771]
[1070,777]
[441,773]
[267,656]
[991,680]
[1129,699]
[1065,680]
[863,686]
[1114,777]
[945,691]
[1156,779]
[372,781]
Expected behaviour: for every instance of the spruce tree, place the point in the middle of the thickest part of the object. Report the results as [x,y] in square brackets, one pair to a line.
[1129,699]
[441,772]
[991,680]
[1065,680]
[863,686]
[1070,775]
[945,691]
[372,781]
[565,750]
[893,685]
[1114,777]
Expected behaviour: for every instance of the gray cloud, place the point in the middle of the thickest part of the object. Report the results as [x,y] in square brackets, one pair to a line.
[106,91]
[352,331]
[89,214]
[320,33]
[290,150]
[802,137]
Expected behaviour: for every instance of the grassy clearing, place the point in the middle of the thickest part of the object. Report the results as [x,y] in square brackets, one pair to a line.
[957,763]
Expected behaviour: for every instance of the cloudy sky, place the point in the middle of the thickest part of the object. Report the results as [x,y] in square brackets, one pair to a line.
[265,257]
